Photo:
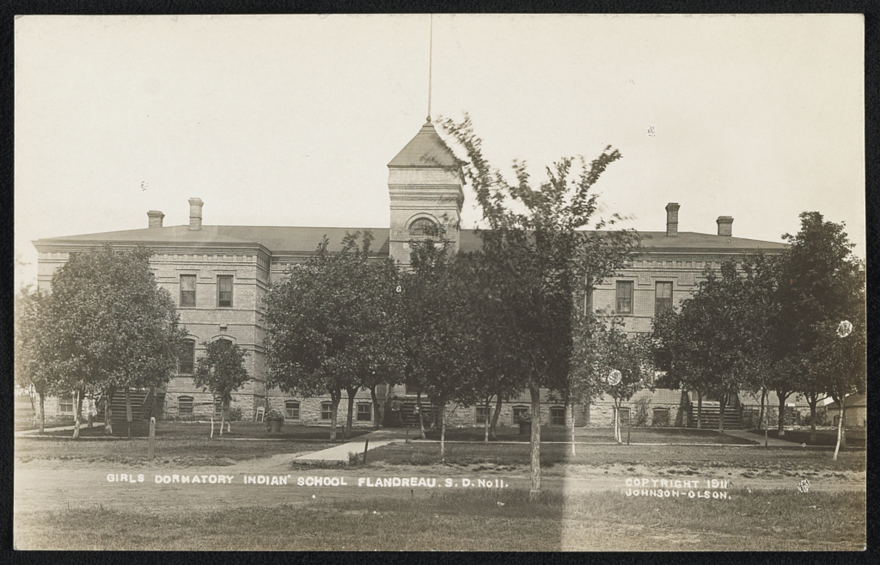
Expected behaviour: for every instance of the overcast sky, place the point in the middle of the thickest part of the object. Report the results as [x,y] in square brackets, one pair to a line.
[291,120]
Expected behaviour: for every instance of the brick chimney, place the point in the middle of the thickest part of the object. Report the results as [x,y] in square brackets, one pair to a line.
[672,219]
[195,213]
[725,225]
[155,218]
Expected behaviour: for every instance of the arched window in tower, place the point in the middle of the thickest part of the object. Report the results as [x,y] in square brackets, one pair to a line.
[422,227]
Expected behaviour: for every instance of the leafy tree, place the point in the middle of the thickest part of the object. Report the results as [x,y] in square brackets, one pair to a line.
[716,340]
[602,347]
[443,347]
[111,327]
[331,324]
[31,327]
[538,258]
[221,370]
[821,284]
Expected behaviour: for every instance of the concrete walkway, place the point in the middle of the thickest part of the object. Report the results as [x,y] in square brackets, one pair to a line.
[377,438]
[69,428]
[759,439]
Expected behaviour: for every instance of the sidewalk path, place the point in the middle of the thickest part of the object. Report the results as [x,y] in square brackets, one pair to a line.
[377,438]
[82,426]
[759,439]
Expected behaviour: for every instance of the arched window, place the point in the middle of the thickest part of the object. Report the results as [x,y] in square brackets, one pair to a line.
[422,227]
[187,360]
[184,405]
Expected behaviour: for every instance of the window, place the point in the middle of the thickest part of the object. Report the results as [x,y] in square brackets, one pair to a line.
[365,412]
[557,416]
[187,291]
[519,411]
[624,297]
[224,291]
[624,416]
[422,227]
[184,405]
[65,404]
[291,409]
[660,417]
[326,409]
[186,362]
[482,414]
[662,297]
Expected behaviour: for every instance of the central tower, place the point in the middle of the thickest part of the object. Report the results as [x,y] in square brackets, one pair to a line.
[425,185]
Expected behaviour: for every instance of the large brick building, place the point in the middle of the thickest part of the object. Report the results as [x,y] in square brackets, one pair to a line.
[219,275]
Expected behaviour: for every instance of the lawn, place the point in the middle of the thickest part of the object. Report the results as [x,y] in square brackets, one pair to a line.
[855,439]
[473,520]
[251,430]
[594,435]
[749,458]
[174,452]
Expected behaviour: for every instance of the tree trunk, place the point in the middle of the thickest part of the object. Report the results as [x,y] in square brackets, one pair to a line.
[782,398]
[571,419]
[77,407]
[421,415]
[443,432]
[722,405]
[841,438]
[813,400]
[346,433]
[42,414]
[535,447]
[33,406]
[108,410]
[761,417]
[699,410]
[493,428]
[128,416]
[222,416]
[376,415]
[335,397]
[683,409]
[488,407]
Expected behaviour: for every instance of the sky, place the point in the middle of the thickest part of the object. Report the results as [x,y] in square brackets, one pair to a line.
[292,120]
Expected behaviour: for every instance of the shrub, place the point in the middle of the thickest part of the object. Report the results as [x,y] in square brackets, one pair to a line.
[640,418]
[234,414]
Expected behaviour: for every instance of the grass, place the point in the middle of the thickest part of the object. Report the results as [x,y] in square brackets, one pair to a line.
[793,461]
[175,452]
[855,439]
[472,520]
[197,430]
[594,435]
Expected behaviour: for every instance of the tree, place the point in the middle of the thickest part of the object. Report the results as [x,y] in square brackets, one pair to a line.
[538,258]
[221,371]
[603,348]
[31,328]
[111,326]
[716,340]
[443,332]
[331,324]
[822,284]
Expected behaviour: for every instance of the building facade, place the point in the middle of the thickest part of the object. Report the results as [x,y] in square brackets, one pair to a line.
[219,275]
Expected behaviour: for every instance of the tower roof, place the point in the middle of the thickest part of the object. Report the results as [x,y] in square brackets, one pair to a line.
[426,149]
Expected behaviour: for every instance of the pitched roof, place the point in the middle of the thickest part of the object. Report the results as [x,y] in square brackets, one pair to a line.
[426,149]
[658,241]
[278,239]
